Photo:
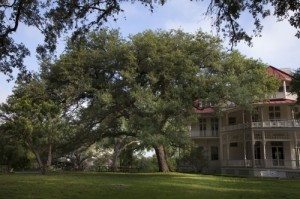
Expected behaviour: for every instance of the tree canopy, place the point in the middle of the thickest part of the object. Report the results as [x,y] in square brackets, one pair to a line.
[145,86]
[77,17]
[31,117]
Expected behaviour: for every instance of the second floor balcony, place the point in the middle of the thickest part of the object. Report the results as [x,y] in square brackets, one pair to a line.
[264,124]
[205,134]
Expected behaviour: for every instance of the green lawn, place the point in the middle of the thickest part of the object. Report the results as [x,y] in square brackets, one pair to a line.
[175,185]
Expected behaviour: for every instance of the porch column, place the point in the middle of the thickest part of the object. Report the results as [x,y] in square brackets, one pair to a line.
[262,115]
[221,149]
[227,148]
[253,148]
[284,88]
[244,141]
[226,119]
[244,145]
[296,150]
[264,149]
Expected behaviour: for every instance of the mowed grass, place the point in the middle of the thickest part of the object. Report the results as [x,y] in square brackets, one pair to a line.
[143,186]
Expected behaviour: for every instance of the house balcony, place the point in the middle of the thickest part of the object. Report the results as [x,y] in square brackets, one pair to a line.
[204,134]
[264,124]
[277,123]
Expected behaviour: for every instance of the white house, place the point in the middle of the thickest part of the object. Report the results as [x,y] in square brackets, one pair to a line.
[264,143]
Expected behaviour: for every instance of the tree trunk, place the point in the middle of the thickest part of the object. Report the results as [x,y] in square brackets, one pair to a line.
[42,166]
[116,154]
[40,162]
[49,159]
[161,158]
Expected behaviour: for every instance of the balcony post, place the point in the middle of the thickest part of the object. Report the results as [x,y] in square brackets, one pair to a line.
[296,150]
[262,116]
[253,148]
[284,89]
[221,148]
[264,148]
[244,139]
[227,148]
[244,145]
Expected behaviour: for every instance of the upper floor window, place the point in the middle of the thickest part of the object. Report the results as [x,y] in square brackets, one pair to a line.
[280,89]
[231,120]
[288,88]
[202,124]
[255,116]
[274,112]
[214,125]
[214,153]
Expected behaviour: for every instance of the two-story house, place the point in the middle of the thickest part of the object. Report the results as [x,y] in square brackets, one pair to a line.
[265,142]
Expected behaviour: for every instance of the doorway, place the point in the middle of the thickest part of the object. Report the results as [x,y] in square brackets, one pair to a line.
[277,153]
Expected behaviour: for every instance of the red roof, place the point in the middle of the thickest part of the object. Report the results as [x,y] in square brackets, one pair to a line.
[205,110]
[279,73]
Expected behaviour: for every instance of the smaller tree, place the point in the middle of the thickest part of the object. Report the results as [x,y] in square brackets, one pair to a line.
[295,85]
[31,117]
[12,152]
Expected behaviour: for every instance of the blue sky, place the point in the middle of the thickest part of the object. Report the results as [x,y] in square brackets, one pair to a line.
[277,46]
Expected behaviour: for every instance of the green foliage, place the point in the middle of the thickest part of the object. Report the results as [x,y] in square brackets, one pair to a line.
[238,80]
[192,160]
[146,164]
[77,17]
[295,84]
[32,118]
[13,153]
[228,14]
[145,86]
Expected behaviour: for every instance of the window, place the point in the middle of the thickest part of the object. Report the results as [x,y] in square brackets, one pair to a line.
[214,126]
[274,113]
[231,120]
[257,150]
[202,126]
[280,89]
[255,117]
[233,144]
[214,153]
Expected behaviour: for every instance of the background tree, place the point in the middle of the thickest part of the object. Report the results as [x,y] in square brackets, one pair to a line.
[56,18]
[295,84]
[13,154]
[53,19]
[228,13]
[31,117]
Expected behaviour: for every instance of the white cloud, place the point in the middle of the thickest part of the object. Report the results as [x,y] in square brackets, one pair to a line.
[278,46]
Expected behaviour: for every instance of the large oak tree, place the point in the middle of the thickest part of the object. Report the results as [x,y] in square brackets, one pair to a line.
[150,81]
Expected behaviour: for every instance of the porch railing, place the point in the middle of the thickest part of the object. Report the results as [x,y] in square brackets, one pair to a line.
[264,124]
[206,133]
[234,127]
[260,163]
[277,123]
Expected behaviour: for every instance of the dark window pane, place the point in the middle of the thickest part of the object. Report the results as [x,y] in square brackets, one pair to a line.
[214,153]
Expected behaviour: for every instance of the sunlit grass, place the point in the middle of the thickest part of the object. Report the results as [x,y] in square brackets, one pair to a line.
[155,185]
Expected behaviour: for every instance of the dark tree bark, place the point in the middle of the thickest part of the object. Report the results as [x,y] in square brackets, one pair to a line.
[43,165]
[117,151]
[161,158]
